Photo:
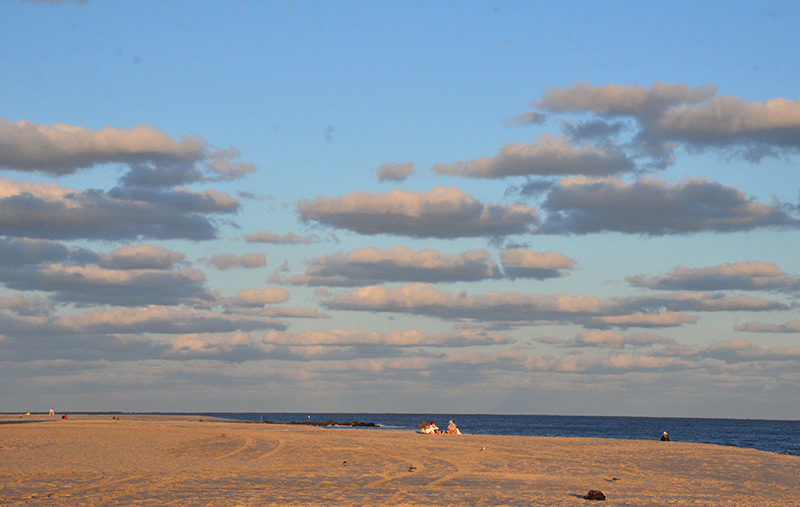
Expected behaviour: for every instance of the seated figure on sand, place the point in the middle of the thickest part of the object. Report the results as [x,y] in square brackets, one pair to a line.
[431,428]
[452,429]
[665,437]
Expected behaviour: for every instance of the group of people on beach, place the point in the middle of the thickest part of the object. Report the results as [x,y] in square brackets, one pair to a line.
[431,428]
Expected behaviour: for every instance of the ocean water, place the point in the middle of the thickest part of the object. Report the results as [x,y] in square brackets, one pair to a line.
[764,435]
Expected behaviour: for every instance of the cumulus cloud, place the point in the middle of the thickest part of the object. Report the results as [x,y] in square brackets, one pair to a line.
[92,284]
[297,312]
[756,128]
[142,256]
[792,326]
[525,119]
[409,338]
[260,297]
[423,299]
[737,350]
[670,115]
[228,261]
[442,212]
[366,266]
[27,306]
[49,211]
[595,130]
[278,239]
[22,251]
[87,349]
[757,275]
[370,266]
[254,302]
[155,158]
[395,172]
[126,334]
[640,319]
[619,100]
[704,302]
[231,347]
[131,275]
[549,156]
[607,339]
[648,206]
[523,263]
[161,320]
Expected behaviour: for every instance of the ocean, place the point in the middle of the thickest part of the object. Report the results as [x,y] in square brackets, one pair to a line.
[765,435]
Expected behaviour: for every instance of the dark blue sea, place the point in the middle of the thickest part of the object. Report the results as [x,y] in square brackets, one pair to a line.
[764,435]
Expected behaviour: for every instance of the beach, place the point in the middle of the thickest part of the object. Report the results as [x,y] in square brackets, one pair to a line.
[193,460]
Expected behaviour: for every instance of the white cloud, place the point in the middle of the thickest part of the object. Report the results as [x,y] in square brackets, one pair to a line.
[618,100]
[92,284]
[228,261]
[757,275]
[442,212]
[756,127]
[260,297]
[607,339]
[423,299]
[395,172]
[160,320]
[371,266]
[278,239]
[409,338]
[367,266]
[523,263]
[647,206]
[155,159]
[132,275]
[144,256]
[669,115]
[639,319]
[524,119]
[50,211]
[549,156]
[758,327]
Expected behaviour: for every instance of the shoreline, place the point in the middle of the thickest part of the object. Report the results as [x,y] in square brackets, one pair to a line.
[778,436]
[178,460]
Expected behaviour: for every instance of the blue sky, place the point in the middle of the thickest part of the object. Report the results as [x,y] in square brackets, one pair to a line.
[501,207]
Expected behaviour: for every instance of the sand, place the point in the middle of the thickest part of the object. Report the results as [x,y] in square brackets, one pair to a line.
[181,461]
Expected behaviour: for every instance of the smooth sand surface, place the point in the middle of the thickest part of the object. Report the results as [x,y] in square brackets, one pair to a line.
[164,461]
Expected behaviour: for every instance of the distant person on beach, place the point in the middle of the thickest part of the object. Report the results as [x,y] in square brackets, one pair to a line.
[665,437]
[427,428]
[64,416]
[452,429]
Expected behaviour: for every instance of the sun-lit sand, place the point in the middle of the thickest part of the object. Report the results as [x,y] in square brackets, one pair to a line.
[181,461]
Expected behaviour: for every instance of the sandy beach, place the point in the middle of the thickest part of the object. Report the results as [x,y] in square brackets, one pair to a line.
[183,461]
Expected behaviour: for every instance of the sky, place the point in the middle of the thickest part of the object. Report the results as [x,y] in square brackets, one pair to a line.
[438,207]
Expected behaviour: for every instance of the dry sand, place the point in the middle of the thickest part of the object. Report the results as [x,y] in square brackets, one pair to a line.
[164,461]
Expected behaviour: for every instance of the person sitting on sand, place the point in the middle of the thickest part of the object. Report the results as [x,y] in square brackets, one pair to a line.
[452,429]
[665,437]
[425,428]
[432,428]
